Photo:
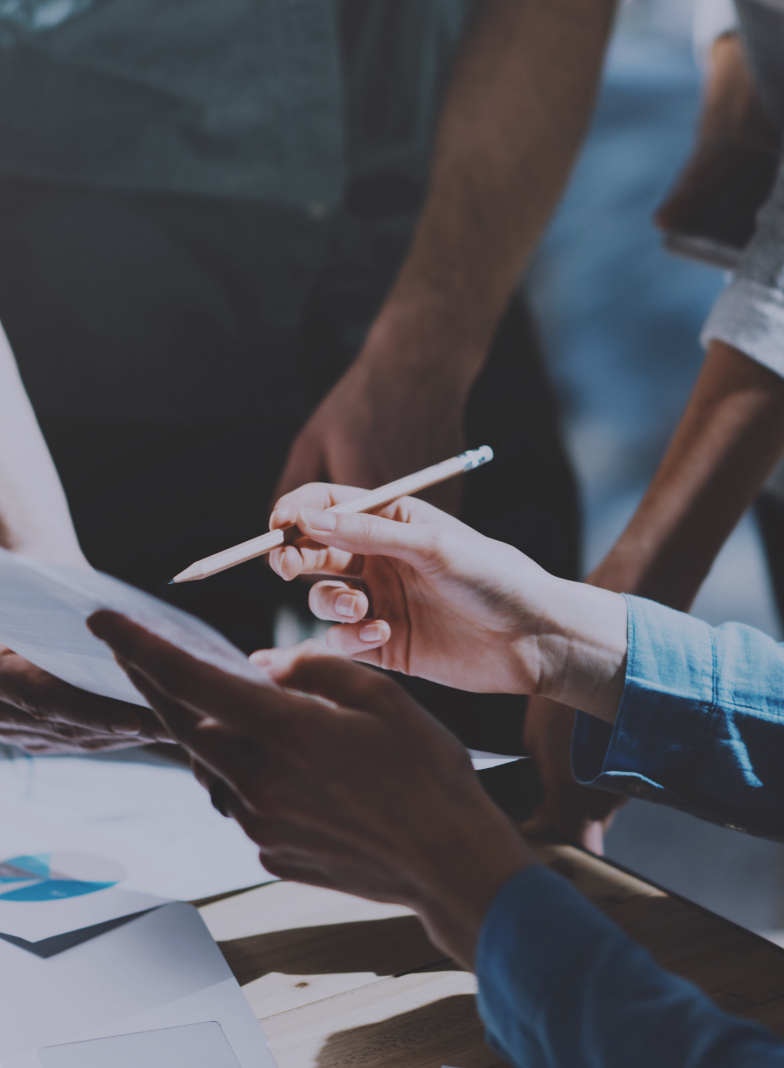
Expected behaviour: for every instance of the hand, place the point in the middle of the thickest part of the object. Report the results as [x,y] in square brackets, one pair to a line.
[41,714]
[397,409]
[448,604]
[359,790]
[570,811]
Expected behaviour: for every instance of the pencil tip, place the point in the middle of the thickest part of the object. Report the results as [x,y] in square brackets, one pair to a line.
[190,574]
[171,582]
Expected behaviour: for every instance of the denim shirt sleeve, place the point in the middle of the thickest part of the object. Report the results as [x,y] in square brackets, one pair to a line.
[560,986]
[700,726]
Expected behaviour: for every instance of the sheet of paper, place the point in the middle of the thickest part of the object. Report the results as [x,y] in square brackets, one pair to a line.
[35,922]
[43,609]
[201,1045]
[161,970]
[134,826]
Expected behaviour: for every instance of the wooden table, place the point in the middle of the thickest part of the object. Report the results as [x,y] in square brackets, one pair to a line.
[342,983]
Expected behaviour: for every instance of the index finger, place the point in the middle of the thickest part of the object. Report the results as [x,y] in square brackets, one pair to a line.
[257,710]
[319,495]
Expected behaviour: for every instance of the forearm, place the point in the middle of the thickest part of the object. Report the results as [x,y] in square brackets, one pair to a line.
[732,432]
[727,443]
[699,726]
[513,118]
[561,986]
[34,516]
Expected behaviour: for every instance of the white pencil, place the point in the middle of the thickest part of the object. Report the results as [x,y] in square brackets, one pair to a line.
[376,498]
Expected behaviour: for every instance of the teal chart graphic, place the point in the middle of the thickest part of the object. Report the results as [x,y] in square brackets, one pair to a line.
[53,876]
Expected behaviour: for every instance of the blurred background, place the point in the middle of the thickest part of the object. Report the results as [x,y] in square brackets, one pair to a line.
[620,320]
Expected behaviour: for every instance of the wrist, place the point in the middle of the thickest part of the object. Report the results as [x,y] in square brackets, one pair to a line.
[429,336]
[582,649]
[454,897]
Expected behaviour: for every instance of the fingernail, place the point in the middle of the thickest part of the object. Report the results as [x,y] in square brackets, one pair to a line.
[371,632]
[318,520]
[346,604]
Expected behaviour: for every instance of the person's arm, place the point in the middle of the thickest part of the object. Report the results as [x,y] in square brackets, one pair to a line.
[560,986]
[732,431]
[513,118]
[727,443]
[38,712]
[729,438]
[678,712]
[34,515]
[700,726]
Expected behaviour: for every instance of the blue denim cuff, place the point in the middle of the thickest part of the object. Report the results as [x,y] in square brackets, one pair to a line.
[665,709]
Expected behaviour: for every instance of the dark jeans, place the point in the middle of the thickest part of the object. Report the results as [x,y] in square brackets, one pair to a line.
[172,348]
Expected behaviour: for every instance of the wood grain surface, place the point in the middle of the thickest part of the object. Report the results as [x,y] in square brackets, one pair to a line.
[337,982]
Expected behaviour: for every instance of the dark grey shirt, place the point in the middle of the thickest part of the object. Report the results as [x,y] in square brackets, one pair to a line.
[276,100]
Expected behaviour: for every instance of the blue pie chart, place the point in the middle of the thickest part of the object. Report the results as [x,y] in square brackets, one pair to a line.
[54,876]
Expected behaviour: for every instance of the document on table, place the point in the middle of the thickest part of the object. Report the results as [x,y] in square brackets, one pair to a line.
[43,613]
[87,839]
[58,876]
[84,842]
[155,992]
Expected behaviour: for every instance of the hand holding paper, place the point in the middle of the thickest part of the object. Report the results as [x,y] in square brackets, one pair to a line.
[40,713]
[360,791]
[43,612]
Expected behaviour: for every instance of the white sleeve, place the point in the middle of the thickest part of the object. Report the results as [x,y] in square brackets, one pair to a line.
[712,19]
[749,314]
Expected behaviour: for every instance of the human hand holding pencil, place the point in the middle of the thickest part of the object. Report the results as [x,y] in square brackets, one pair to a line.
[282,532]
[414,590]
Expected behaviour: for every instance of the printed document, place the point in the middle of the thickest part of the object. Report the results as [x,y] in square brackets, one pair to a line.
[43,613]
